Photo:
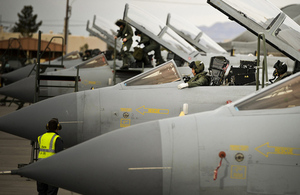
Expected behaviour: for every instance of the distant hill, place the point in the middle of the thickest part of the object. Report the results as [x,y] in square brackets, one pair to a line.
[221,32]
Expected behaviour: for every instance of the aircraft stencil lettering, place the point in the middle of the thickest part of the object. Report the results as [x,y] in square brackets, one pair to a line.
[142,110]
[238,172]
[239,147]
[266,149]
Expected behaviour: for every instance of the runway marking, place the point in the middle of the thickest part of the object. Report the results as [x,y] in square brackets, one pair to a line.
[148,168]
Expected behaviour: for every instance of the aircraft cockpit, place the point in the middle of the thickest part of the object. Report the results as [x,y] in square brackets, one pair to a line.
[71,56]
[284,95]
[97,61]
[164,73]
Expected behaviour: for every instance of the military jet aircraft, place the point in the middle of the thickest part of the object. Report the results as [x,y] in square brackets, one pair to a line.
[67,61]
[94,73]
[250,146]
[179,43]
[147,96]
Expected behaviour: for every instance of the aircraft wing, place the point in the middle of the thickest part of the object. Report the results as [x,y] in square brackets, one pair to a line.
[193,35]
[263,17]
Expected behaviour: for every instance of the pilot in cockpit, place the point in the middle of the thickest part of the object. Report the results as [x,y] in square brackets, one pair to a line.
[201,78]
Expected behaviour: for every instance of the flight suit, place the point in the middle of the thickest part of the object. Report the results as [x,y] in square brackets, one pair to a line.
[126,32]
[286,74]
[200,79]
[150,45]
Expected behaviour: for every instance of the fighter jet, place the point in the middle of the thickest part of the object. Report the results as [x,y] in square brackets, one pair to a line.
[250,146]
[67,61]
[94,73]
[147,96]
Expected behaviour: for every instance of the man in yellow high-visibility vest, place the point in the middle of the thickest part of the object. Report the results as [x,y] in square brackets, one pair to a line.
[50,143]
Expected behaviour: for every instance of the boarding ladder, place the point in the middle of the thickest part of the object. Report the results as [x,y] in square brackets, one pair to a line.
[40,68]
[39,77]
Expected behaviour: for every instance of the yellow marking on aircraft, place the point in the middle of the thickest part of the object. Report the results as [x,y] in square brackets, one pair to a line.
[277,150]
[125,109]
[238,172]
[86,82]
[144,110]
[124,122]
[239,147]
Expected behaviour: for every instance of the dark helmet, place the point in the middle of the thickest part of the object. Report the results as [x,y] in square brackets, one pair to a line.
[281,67]
[198,66]
[120,22]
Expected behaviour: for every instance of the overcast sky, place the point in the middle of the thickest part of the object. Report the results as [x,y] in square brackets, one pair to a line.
[53,12]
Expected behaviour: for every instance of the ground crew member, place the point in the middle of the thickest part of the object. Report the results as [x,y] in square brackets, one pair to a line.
[280,71]
[49,143]
[200,76]
[126,34]
[150,45]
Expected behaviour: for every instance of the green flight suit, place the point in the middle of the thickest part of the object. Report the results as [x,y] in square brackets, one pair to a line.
[286,74]
[150,45]
[126,32]
[200,79]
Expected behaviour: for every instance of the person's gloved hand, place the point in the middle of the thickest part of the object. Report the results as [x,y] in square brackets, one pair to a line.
[182,85]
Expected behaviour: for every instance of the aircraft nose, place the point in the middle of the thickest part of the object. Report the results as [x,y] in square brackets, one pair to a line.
[124,161]
[30,122]
[22,89]
[17,74]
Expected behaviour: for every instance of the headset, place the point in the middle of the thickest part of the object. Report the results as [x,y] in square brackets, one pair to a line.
[58,126]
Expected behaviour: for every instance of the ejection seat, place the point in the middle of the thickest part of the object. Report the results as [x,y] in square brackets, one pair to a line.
[219,69]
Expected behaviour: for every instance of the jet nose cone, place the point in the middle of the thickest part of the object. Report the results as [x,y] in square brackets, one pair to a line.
[121,162]
[17,74]
[22,89]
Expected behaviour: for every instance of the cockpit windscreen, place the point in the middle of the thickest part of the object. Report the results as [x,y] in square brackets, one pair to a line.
[286,95]
[164,73]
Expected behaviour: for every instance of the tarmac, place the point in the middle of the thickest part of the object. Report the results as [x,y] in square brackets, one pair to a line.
[15,150]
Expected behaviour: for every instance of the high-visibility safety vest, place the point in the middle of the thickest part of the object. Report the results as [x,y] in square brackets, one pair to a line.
[47,144]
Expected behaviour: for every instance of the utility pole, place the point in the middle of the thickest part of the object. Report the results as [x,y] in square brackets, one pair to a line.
[68,15]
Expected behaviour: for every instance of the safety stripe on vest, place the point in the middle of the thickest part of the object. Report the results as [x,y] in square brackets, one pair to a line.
[51,144]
